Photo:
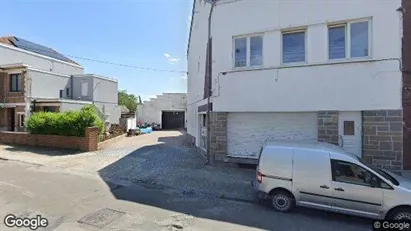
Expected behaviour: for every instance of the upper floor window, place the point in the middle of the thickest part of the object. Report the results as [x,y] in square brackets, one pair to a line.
[349,40]
[15,82]
[248,51]
[294,47]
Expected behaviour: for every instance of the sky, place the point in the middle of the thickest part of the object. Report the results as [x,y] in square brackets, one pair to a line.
[143,33]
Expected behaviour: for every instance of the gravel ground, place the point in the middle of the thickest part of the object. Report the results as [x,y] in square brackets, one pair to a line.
[171,163]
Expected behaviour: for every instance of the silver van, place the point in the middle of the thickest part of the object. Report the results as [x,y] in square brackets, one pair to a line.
[323,176]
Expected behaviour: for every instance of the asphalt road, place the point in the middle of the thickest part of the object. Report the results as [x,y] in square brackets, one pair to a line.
[70,200]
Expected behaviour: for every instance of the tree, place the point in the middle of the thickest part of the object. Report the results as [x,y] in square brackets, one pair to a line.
[128,100]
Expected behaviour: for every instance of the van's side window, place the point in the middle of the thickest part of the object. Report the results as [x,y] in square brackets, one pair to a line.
[350,173]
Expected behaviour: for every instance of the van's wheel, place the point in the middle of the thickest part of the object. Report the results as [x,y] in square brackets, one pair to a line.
[282,201]
[401,214]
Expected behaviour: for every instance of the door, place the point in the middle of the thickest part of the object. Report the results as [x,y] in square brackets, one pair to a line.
[350,132]
[352,189]
[246,132]
[312,178]
[12,118]
[172,120]
[203,130]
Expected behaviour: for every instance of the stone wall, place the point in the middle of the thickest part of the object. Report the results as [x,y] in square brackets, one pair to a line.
[383,139]
[88,143]
[218,134]
[328,126]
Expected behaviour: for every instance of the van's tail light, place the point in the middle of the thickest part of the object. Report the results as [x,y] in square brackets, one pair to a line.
[259,177]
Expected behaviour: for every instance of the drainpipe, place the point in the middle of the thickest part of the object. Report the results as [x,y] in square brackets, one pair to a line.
[71,87]
[209,85]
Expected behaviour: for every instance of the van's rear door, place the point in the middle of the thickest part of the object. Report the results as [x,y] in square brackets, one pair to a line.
[312,178]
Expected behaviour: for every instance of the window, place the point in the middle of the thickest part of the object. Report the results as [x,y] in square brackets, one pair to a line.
[21,120]
[349,128]
[294,47]
[15,82]
[68,92]
[84,88]
[248,51]
[350,173]
[204,120]
[350,40]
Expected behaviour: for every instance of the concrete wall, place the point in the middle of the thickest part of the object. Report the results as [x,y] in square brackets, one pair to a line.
[113,111]
[151,111]
[47,84]
[77,87]
[11,55]
[371,83]
[72,106]
[105,90]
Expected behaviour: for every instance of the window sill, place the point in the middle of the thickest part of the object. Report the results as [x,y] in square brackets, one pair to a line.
[296,65]
[14,91]
[248,68]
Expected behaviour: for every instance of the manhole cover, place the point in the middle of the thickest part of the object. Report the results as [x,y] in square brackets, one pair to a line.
[101,217]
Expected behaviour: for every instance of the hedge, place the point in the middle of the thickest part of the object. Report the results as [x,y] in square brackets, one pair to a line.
[70,123]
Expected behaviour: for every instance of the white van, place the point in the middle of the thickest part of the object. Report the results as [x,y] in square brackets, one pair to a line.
[323,176]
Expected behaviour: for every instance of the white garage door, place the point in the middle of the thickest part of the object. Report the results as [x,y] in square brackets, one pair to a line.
[246,132]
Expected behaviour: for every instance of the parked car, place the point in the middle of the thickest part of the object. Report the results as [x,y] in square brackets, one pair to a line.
[323,176]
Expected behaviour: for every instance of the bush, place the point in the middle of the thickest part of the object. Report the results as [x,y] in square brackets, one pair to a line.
[70,123]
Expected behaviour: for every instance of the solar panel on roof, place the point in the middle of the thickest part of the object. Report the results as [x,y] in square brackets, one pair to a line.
[39,49]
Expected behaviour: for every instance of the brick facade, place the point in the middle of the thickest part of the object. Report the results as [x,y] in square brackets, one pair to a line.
[218,134]
[12,97]
[383,139]
[328,126]
[89,143]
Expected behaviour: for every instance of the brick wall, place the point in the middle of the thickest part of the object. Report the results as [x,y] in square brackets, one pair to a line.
[383,139]
[328,126]
[218,134]
[13,97]
[88,143]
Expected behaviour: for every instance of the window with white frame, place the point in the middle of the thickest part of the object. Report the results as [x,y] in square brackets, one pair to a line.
[349,40]
[21,119]
[293,47]
[248,51]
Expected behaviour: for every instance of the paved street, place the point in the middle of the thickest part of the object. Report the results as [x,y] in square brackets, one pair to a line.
[65,198]
[155,182]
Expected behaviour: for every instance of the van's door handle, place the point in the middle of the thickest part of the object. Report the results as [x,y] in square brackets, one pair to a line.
[324,186]
[339,189]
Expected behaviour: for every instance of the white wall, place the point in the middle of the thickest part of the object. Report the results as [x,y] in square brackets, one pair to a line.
[151,111]
[10,55]
[350,86]
[196,64]
[47,84]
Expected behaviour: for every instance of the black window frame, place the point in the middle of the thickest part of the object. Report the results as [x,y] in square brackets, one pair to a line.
[380,181]
[16,82]
[68,92]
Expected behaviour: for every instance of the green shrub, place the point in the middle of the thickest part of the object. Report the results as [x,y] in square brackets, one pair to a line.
[70,123]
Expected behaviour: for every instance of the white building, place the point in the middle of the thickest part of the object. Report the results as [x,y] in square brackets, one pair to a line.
[167,109]
[32,72]
[308,70]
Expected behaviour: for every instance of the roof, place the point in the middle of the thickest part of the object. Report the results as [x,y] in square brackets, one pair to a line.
[317,145]
[34,47]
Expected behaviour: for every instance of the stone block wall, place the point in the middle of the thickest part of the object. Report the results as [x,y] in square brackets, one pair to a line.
[218,134]
[383,139]
[328,126]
